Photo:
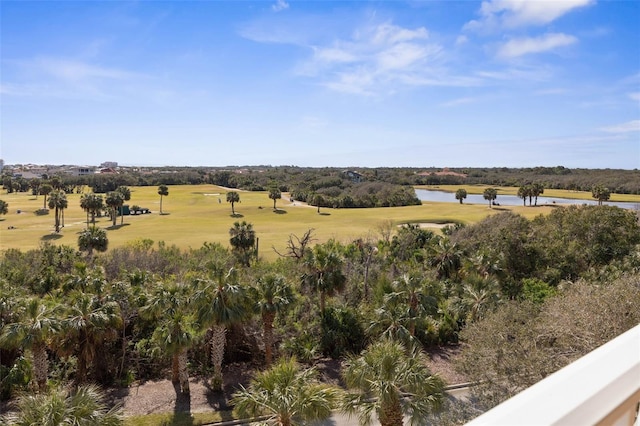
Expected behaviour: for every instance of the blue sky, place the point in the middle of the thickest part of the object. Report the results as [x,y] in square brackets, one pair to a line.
[321,83]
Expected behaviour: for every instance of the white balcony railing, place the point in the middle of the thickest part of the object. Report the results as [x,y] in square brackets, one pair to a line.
[601,388]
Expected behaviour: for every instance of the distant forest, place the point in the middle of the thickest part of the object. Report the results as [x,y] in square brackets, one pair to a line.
[341,187]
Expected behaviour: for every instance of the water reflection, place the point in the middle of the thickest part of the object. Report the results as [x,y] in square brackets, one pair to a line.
[511,200]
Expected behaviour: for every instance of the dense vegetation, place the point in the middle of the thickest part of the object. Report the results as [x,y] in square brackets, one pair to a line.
[141,311]
[335,183]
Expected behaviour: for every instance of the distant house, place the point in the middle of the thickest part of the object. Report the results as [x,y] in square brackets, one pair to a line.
[108,170]
[81,170]
[354,176]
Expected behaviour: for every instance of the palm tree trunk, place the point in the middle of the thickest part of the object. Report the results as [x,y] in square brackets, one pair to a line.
[284,420]
[40,365]
[175,368]
[391,414]
[267,320]
[183,372]
[218,340]
[322,301]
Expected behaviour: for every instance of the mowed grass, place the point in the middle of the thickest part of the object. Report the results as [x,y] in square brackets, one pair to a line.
[194,215]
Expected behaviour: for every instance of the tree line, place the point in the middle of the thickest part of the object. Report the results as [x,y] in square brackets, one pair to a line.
[335,181]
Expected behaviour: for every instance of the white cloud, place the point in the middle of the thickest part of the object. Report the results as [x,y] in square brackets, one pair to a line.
[459,101]
[403,55]
[635,96]
[523,46]
[461,39]
[386,34]
[280,5]
[629,126]
[71,70]
[380,59]
[497,14]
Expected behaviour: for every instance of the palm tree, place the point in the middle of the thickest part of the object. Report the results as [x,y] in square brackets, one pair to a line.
[90,321]
[286,395]
[324,271]
[536,190]
[410,288]
[490,194]
[114,201]
[271,295]
[34,184]
[58,201]
[461,194]
[170,305]
[445,257]
[391,382]
[524,192]
[221,302]
[92,204]
[479,294]
[600,193]
[392,321]
[317,199]
[243,240]
[37,324]
[126,195]
[233,197]
[84,406]
[45,189]
[163,190]
[93,238]
[274,194]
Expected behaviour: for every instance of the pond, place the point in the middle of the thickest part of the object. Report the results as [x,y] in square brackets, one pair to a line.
[511,200]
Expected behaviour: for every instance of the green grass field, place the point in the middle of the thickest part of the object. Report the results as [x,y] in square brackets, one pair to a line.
[197,214]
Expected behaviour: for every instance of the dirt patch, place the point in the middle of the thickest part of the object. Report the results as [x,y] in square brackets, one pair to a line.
[441,360]
[161,396]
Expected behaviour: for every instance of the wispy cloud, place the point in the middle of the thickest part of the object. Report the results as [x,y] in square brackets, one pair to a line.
[65,78]
[381,59]
[628,127]
[460,101]
[75,71]
[635,96]
[551,92]
[523,46]
[280,5]
[500,14]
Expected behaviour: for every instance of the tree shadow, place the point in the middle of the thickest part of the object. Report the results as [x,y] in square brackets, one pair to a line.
[116,227]
[182,408]
[324,214]
[218,401]
[51,237]
[164,214]
[278,211]
[236,215]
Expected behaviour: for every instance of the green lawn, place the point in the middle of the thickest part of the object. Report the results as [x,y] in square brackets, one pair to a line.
[197,214]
